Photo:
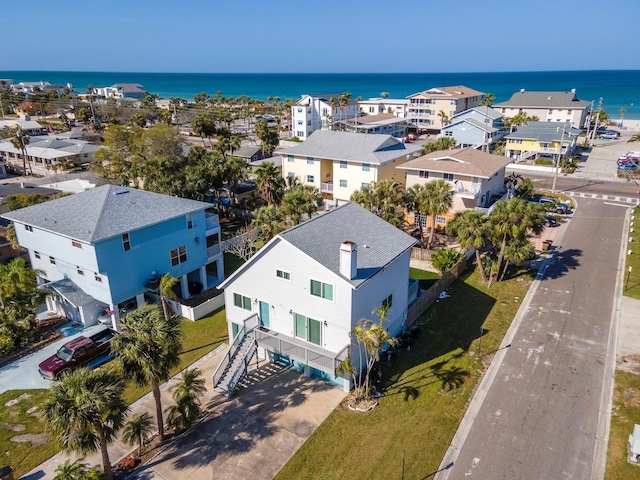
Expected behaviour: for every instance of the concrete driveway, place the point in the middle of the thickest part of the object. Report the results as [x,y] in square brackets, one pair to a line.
[254,434]
[23,373]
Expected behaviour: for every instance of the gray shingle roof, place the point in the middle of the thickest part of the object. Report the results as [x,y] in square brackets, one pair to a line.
[378,242]
[104,212]
[524,99]
[545,132]
[369,148]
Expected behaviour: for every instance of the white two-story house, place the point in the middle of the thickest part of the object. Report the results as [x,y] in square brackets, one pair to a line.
[105,249]
[340,163]
[476,178]
[319,112]
[299,297]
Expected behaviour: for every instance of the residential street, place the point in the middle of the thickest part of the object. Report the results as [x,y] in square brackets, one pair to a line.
[540,417]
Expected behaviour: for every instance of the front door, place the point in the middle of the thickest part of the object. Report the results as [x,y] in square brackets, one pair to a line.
[264,314]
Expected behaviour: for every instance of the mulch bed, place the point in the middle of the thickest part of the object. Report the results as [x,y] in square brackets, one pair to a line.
[49,333]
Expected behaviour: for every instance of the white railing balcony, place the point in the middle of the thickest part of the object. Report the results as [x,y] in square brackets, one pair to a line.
[213,251]
[212,221]
[326,187]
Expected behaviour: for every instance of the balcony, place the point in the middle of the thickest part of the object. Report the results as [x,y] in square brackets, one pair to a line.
[212,221]
[295,349]
[213,251]
[326,187]
[472,191]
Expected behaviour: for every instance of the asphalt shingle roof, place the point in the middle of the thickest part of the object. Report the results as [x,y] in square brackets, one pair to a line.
[545,132]
[543,100]
[104,212]
[369,148]
[466,161]
[379,242]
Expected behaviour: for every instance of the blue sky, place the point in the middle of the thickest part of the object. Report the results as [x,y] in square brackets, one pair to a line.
[348,36]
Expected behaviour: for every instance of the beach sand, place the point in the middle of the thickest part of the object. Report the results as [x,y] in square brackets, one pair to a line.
[629,125]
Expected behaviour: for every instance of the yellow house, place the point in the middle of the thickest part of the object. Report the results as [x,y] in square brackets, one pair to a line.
[340,163]
[541,138]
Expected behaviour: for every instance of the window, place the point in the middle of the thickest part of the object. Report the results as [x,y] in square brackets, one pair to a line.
[309,160]
[366,167]
[365,184]
[290,158]
[516,141]
[322,290]
[343,164]
[310,178]
[189,223]
[97,277]
[448,176]
[284,275]
[308,123]
[52,260]
[28,228]
[308,329]
[388,302]
[343,183]
[241,301]
[325,112]
[80,271]
[423,174]
[300,122]
[299,109]
[550,111]
[448,133]
[299,133]
[126,242]
[178,256]
[76,244]
[441,220]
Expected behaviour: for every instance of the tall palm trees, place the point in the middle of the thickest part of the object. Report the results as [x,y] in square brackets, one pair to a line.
[20,141]
[85,410]
[270,183]
[384,198]
[148,350]
[137,430]
[438,201]
[472,231]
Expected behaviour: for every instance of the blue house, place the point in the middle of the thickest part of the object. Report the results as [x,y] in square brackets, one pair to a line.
[103,250]
[475,127]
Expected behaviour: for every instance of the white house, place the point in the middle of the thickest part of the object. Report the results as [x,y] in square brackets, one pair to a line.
[318,112]
[298,298]
[395,106]
[120,90]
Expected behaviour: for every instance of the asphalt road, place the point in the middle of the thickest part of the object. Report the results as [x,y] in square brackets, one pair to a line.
[539,419]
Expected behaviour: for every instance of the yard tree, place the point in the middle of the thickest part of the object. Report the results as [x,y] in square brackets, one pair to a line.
[270,220]
[20,141]
[186,395]
[471,228]
[270,183]
[488,100]
[415,202]
[148,349]
[85,410]
[438,201]
[443,143]
[384,199]
[203,125]
[165,289]
[137,430]
[299,201]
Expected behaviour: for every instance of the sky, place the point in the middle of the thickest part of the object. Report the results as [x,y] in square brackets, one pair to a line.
[320,36]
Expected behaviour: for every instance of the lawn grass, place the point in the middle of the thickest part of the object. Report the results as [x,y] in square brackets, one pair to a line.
[199,338]
[425,277]
[425,392]
[625,414]
[631,285]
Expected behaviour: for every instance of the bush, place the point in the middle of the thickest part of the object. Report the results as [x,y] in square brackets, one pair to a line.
[445,258]
[543,161]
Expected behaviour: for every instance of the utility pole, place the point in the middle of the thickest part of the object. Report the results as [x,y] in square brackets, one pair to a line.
[586,141]
[557,165]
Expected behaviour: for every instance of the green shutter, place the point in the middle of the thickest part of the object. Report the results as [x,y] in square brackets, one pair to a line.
[315,334]
[301,326]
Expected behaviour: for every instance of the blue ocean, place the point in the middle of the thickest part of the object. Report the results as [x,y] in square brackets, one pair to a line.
[616,89]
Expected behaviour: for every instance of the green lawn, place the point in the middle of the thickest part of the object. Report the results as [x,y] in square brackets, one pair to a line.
[425,277]
[631,285]
[425,392]
[199,339]
[625,414]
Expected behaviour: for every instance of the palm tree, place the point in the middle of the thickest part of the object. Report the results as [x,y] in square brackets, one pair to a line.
[85,410]
[270,220]
[270,183]
[333,103]
[472,231]
[488,100]
[20,141]
[444,118]
[137,430]
[622,110]
[148,350]
[415,202]
[15,277]
[303,199]
[185,394]
[438,201]
[76,470]
[166,293]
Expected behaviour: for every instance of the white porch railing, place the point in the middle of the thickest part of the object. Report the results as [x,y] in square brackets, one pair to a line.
[249,324]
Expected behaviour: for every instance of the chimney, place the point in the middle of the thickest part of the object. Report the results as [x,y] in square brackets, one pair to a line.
[349,259]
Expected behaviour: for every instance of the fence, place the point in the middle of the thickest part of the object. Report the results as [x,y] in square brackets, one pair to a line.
[427,298]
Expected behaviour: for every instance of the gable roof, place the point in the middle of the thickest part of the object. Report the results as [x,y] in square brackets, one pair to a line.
[524,99]
[379,242]
[482,112]
[466,161]
[104,212]
[474,122]
[375,149]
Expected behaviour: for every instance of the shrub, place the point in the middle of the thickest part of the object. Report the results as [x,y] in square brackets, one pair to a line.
[445,258]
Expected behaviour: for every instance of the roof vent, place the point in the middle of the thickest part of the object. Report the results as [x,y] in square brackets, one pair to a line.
[120,192]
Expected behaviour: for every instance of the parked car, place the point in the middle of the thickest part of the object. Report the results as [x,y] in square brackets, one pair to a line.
[549,221]
[552,205]
[628,166]
[624,160]
[610,134]
[76,353]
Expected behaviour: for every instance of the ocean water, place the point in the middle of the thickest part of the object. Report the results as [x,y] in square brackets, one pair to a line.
[617,88]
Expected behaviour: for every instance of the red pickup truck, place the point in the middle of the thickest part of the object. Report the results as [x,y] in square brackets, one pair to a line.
[76,353]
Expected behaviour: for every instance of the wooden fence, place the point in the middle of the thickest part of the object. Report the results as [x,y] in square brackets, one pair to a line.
[427,298]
